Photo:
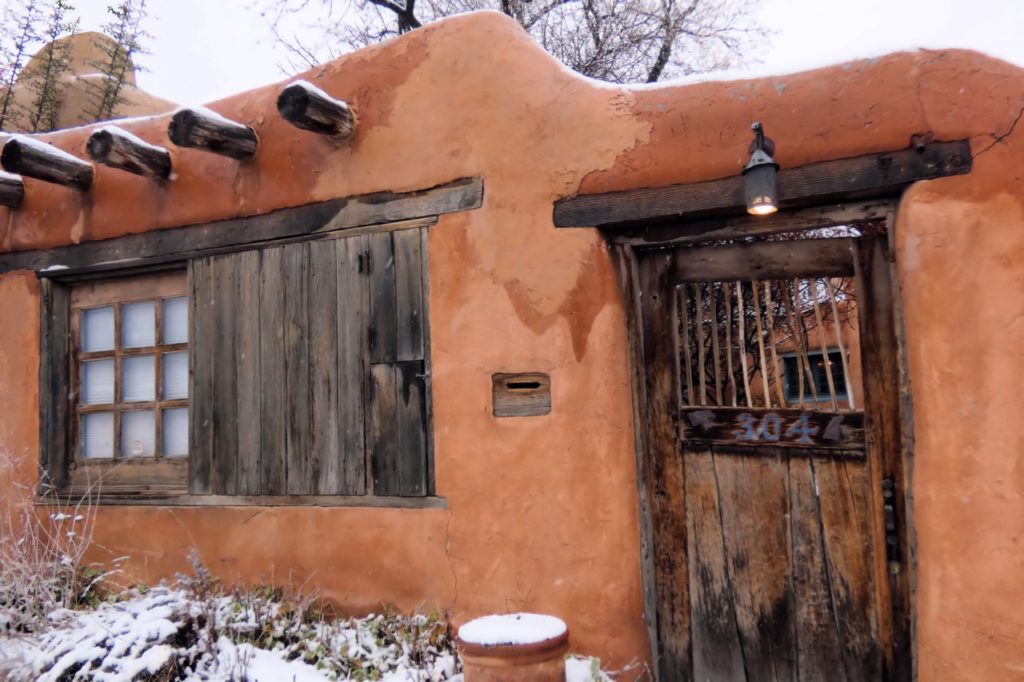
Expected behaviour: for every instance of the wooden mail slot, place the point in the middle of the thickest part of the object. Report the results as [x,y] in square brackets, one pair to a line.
[521,395]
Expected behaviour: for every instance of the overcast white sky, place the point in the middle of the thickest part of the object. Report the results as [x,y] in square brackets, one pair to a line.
[203,50]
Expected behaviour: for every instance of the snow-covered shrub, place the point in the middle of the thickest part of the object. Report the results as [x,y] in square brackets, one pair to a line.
[198,631]
[41,554]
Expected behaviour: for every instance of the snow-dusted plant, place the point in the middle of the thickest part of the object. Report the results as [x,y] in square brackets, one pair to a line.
[42,549]
[296,624]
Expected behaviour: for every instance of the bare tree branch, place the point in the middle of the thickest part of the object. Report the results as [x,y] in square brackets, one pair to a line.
[622,41]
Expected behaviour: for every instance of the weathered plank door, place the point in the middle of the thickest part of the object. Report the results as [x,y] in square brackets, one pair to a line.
[772,464]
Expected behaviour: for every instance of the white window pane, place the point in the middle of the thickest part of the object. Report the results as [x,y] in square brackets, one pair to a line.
[98,435]
[98,382]
[138,434]
[176,432]
[175,375]
[138,324]
[98,329]
[138,378]
[176,320]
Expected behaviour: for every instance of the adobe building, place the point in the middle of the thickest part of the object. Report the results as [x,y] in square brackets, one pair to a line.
[79,81]
[485,352]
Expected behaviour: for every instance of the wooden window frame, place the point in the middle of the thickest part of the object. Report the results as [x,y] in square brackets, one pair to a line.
[65,470]
[61,269]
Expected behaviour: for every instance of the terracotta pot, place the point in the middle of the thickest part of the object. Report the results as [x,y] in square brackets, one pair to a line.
[542,661]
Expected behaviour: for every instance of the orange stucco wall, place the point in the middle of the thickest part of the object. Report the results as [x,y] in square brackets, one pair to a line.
[542,512]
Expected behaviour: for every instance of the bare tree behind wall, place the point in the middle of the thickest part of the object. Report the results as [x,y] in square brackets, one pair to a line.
[23,26]
[117,63]
[623,41]
[46,79]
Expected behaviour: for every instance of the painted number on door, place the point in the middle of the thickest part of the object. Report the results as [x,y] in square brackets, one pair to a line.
[770,427]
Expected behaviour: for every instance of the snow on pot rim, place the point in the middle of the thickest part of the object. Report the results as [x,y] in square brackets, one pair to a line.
[513,629]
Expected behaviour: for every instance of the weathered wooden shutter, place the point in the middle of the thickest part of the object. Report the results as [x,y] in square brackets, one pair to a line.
[308,362]
[397,391]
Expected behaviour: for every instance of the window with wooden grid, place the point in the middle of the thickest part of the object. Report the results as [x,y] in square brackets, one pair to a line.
[128,355]
[287,371]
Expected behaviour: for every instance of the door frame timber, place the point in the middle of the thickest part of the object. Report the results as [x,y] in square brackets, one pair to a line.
[646,264]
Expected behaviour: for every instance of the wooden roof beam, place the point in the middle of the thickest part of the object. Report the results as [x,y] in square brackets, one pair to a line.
[210,132]
[308,107]
[118,148]
[35,159]
[12,190]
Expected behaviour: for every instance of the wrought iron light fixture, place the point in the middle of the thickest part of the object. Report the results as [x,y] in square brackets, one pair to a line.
[759,175]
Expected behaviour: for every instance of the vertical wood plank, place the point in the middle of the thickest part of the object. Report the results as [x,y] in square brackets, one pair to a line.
[742,337]
[823,344]
[323,366]
[847,379]
[773,335]
[760,346]
[428,416]
[383,303]
[410,403]
[715,350]
[301,467]
[353,362]
[628,272]
[203,329]
[659,319]
[800,334]
[760,555]
[409,304]
[383,435]
[56,449]
[716,646]
[273,390]
[728,343]
[880,373]
[225,399]
[698,328]
[683,306]
[249,411]
[820,651]
[845,499]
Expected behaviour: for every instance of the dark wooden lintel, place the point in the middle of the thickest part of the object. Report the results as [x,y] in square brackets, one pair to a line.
[178,244]
[690,232]
[855,178]
[764,260]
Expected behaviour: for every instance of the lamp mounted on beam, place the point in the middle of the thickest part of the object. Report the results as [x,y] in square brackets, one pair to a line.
[759,175]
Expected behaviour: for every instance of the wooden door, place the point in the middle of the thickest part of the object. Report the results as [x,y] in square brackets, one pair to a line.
[772,461]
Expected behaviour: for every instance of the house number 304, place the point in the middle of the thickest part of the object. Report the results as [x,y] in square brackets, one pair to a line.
[771,427]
